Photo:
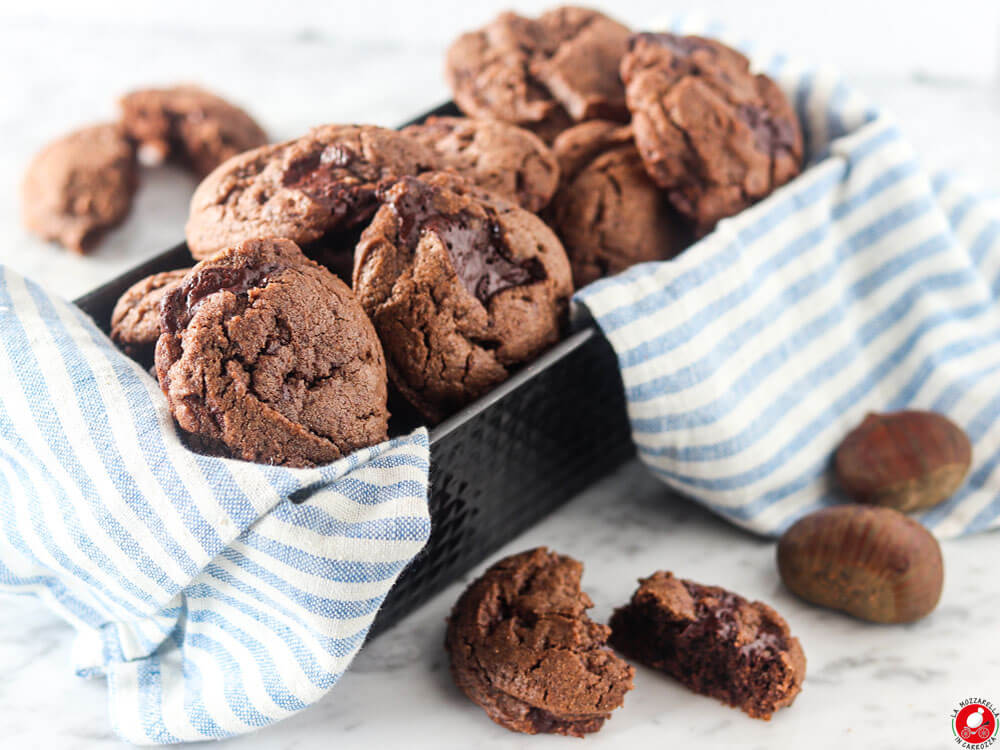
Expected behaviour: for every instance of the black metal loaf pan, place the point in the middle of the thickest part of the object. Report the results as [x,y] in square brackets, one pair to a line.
[499,465]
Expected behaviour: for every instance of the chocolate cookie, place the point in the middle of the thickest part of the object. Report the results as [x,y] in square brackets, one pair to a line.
[497,156]
[189,125]
[714,135]
[135,321]
[321,183]
[270,354]
[542,74]
[80,185]
[713,641]
[608,212]
[523,648]
[461,289]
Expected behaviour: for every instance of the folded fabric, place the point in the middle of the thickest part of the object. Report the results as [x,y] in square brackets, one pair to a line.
[863,285]
[216,596]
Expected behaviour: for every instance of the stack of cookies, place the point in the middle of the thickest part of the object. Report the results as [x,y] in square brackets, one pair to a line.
[458,279]
[585,149]
[658,136]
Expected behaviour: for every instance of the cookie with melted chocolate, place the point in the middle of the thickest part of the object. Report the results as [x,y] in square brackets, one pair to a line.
[713,641]
[268,356]
[310,190]
[714,135]
[462,287]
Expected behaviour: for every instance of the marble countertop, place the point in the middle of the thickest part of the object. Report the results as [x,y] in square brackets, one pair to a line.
[867,686]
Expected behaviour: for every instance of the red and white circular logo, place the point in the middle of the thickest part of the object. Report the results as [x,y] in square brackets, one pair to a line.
[974,723]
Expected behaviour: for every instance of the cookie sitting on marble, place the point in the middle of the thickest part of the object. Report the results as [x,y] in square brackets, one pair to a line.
[523,648]
[713,641]
[135,321]
[268,355]
[608,213]
[79,186]
[541,73]
[497,156]
[309,190]
[189,125]
[714,135]
[462,287]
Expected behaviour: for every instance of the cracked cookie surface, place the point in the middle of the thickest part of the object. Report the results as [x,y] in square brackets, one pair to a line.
[269,354]
[523,648]
[713,641]
[714,135]
[461,286]
[135,321]
[314,186]
[541,73]
[188,124]
[497,156]
[608,212]
[80,185]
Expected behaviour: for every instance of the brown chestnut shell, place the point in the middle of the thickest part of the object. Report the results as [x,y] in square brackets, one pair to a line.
[874,563]
[907,460]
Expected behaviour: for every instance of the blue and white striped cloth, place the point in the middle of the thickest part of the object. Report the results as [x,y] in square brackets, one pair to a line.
[211,602]
[863,285]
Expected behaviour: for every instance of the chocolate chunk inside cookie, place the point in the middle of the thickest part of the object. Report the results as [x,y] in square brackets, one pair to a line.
[713,641]
[267,353]
[79,186]
[135,321]
[474,241]
[542,74]
[321,173]
[497,156]
[523,648]
[190,125]
[461,287]
[714,135]
[608,212]
[308,190]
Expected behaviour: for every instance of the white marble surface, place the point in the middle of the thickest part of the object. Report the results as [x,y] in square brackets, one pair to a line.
[299,64]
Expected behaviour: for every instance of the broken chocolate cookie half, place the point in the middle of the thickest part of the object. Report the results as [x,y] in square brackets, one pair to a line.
[713,641]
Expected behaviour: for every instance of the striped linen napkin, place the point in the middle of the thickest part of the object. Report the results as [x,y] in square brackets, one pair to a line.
[863,285]
[216,596]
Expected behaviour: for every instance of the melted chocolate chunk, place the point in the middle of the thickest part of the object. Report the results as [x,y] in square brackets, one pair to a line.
[475,244]
[301,169]
[770,134]
[179,307]
[720,620]
[319,176]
